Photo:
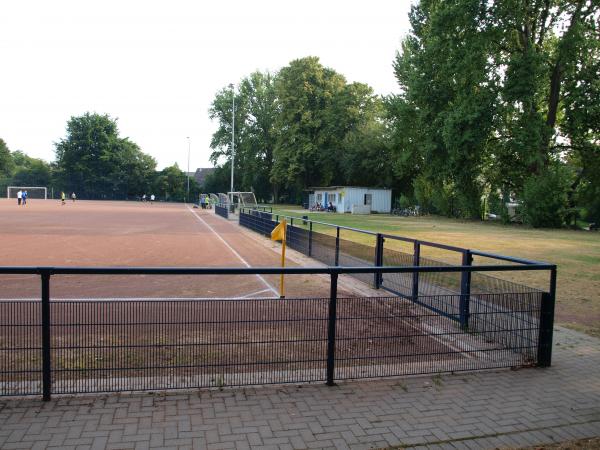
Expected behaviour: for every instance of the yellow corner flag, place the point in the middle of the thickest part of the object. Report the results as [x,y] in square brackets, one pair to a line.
[278,234]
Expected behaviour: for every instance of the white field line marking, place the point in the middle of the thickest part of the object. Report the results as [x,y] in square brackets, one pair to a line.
[135,299]
[256,293]
[271,288]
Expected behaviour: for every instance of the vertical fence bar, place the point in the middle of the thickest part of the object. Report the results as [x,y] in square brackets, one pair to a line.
[337,246]
[465,290]
[378,277]
[310,225]
[331,329]
[547,323]
[415,275]
[46,362]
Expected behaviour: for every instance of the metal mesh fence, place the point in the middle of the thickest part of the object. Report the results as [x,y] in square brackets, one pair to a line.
[103,345]
[328,249]
[163,344]
[353,254]
[386,336]
[20,335]
[458,291]
[20,347]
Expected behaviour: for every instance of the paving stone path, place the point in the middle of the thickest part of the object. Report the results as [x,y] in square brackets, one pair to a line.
[466,410]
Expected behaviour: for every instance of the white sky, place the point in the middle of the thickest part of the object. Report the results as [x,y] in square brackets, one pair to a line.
[156,65]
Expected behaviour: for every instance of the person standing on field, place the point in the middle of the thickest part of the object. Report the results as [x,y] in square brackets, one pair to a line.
[73,197]
[19,197]
[151,198]
[24,197]
[62,197]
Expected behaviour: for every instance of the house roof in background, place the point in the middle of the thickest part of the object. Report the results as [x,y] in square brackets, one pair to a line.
[201,174]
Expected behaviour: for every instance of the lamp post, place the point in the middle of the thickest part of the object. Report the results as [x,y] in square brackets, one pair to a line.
[232,136]
[187,196]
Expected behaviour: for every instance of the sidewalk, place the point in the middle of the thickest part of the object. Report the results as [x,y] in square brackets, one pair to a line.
[465,410]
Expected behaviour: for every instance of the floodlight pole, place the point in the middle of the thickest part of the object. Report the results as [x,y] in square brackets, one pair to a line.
[187,196]
[232,136]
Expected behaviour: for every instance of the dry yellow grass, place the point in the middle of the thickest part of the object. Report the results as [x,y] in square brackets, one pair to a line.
[576,253]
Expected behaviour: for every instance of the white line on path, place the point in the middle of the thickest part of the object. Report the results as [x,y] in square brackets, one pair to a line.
[271,288]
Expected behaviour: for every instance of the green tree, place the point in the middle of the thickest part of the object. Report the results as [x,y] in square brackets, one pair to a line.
[366,145]
[30,171]
[309,138]
[255,105]
[218,180]
[6,160]
[445,113]
[581,124]
[6,166]
[171,184]
[95,162]
[488,90]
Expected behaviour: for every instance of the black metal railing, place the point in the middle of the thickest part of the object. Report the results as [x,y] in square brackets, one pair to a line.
[49,345]
[379,249]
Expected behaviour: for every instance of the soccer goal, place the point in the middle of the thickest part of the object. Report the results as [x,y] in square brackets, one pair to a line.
[223,199]
[39,192]
[244,199]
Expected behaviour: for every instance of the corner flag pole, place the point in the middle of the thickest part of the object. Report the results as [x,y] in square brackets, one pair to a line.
[279,234]
[283,243]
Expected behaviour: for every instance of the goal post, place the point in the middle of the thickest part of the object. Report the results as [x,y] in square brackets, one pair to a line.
[244,199]
[39,192]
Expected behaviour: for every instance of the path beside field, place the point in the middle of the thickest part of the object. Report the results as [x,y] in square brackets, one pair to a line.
[471,411]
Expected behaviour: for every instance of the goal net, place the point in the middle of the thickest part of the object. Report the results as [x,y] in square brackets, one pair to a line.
[244,199]
[223,199]
[39,192]
[214,199]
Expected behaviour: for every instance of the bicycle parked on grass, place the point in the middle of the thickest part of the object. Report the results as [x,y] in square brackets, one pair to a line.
[406,212]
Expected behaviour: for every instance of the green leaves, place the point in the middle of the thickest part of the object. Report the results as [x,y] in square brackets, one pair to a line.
[95,162]
[304,126]
[490,92]
[255,112]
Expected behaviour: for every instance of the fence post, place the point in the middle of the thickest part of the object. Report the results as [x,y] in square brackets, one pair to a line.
[465,291]
[378,277]
[310,238]
[337,246]
[331,329]
[547,323]
[415,277]
[46,355]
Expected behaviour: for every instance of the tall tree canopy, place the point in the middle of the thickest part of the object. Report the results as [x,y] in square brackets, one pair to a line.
[302,127]
[18,169]
[95,162]
[255,112]
[494,96]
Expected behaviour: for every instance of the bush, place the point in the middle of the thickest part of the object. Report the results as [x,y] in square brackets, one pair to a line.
[590,199]
[545,198]
[405,202]
[443,200]
[424,194]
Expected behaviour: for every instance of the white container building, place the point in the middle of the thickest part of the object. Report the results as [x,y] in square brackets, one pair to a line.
[352,199]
